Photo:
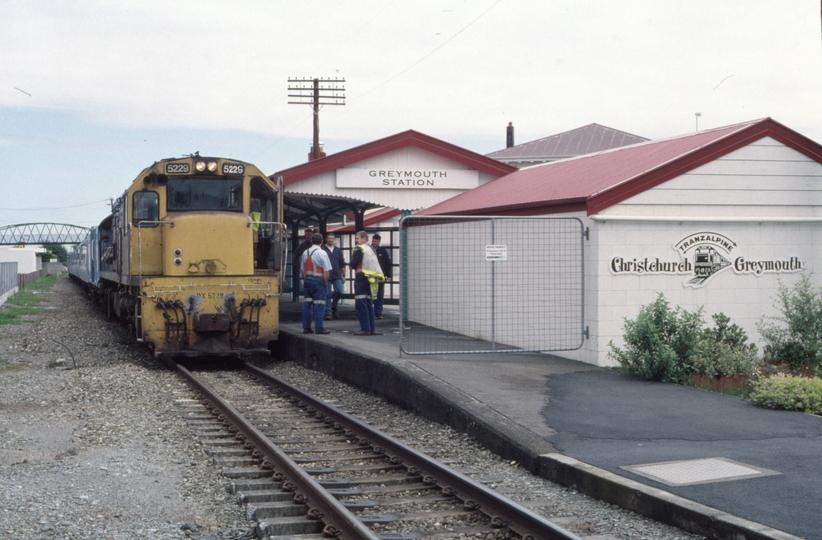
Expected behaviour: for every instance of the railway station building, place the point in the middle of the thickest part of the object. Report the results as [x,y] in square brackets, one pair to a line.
[370,186]
[715,219]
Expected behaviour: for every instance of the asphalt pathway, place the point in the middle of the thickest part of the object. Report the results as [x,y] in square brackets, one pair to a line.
[612,420]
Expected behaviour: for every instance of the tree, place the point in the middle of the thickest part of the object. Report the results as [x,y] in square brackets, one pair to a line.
[57,251]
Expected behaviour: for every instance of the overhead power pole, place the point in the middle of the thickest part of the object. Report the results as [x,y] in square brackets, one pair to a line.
[316,92]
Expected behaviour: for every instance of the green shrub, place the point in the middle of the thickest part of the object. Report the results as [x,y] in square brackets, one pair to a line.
[789,392]
[795,337]
[660,342]
[724,351]
[671,345]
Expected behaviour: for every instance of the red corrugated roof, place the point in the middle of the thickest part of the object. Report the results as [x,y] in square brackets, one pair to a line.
[596,181]
[388,144]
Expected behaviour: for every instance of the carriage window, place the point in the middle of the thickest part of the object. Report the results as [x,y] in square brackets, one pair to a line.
[146,207]
[192,194]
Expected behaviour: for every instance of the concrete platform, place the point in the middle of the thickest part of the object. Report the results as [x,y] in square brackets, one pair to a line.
[707,463]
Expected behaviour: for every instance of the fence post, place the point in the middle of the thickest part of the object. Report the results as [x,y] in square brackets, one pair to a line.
[403,270]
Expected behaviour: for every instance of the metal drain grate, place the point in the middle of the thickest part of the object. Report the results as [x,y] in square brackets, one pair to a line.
[698,471]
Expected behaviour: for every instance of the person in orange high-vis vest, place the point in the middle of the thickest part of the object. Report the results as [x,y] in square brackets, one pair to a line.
[315,266]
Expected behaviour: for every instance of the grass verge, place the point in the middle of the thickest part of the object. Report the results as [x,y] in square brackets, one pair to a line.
[26,302]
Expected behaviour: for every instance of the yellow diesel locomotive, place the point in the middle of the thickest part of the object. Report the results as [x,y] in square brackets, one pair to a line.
[191,258]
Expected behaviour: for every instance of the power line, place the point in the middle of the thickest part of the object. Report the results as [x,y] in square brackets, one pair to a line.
[56,207]
[443,44]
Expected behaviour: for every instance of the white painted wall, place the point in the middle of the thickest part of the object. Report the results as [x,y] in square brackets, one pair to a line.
[745,298]
[26,258]
[763,179]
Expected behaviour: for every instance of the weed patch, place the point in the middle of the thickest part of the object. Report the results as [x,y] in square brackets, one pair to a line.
[44,283]
[25,302]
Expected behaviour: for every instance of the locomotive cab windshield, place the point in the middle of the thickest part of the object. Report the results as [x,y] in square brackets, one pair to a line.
[191,193]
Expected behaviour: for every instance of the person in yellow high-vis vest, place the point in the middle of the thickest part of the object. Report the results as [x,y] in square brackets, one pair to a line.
[367,277]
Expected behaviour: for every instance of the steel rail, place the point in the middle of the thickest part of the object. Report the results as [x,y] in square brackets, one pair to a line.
[333,512]
[517,518]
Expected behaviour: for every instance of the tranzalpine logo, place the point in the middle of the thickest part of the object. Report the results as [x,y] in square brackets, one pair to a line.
[703,255]
[708,250]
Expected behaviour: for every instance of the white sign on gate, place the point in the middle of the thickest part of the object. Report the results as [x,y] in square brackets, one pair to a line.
[496,253]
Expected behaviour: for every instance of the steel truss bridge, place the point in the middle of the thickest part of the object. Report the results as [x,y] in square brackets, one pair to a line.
[42,233]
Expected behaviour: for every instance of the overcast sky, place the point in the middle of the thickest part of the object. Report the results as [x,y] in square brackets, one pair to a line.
[91,92]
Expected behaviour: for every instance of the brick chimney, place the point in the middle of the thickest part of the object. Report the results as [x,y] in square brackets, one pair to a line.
[509,135]
[311,152]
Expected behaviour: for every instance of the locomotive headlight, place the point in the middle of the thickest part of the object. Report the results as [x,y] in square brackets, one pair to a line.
[178,252]
[200,166]
[212,166]
[178,261]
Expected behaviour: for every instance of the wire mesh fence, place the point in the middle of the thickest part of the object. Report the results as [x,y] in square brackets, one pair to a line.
[491,284]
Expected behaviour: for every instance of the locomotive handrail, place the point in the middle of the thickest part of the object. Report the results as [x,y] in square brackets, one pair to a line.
[279,230]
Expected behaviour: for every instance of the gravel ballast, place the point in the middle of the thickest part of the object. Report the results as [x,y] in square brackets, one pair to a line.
[102,451]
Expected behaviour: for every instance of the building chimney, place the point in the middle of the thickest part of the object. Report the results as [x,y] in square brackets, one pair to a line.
[311,152]
[509,135]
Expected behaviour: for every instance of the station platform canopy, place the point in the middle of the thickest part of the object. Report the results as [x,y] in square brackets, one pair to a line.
[379,180]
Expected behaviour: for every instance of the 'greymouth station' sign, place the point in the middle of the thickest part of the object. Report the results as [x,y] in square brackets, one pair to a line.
[703,255]
[399,178]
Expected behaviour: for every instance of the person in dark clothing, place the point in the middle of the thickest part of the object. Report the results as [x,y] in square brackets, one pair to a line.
[307,243]
[335,284]
[384,256]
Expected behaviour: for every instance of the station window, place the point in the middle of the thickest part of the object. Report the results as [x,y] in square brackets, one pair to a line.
[146,207]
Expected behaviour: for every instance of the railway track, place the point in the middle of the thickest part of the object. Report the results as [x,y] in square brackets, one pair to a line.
[306,469]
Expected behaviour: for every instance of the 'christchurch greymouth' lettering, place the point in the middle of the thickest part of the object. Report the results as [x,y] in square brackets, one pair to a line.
[703,255]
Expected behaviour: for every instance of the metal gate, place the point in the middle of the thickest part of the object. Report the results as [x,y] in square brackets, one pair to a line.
[491,284]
